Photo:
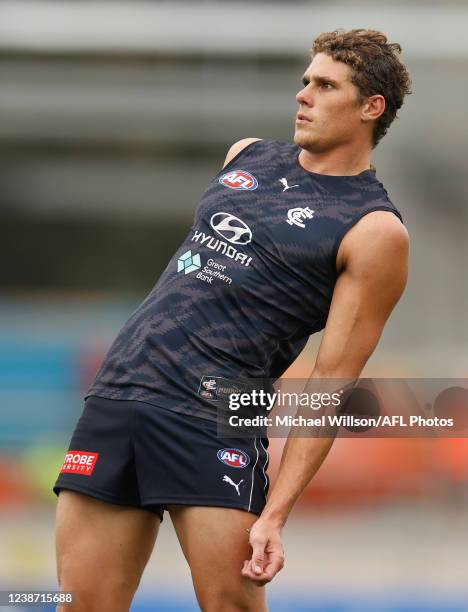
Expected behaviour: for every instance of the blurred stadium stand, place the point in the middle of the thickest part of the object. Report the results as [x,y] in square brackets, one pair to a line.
[113,117]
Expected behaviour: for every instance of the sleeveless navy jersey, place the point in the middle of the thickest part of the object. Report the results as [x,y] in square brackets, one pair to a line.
[251,281]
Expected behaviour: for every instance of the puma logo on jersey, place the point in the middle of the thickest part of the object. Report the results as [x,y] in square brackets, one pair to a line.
[231,482]
[284,182]
[296,216]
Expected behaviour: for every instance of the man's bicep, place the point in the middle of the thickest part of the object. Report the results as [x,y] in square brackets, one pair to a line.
[364,296]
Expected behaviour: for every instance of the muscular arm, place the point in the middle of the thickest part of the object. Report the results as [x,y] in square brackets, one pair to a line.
[373,262]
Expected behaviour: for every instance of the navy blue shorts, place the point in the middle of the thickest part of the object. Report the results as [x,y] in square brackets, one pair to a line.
[135,454]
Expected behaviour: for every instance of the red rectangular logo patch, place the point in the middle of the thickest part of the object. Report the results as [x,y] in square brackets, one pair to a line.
[79,462]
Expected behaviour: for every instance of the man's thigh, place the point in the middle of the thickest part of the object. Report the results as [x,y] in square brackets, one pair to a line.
[215,542]
[102,550]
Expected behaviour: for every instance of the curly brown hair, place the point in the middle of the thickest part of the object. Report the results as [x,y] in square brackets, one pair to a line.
[377,69]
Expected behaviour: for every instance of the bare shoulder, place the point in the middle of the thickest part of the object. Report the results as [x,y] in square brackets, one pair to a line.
[237,147]
[379,238]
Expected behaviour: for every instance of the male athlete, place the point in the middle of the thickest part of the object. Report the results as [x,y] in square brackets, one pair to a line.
[289,238]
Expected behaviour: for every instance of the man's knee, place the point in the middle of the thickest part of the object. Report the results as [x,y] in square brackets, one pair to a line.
[232,599]
[96,586]
[106,592]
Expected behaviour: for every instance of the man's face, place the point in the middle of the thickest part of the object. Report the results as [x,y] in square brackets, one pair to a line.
[329,110]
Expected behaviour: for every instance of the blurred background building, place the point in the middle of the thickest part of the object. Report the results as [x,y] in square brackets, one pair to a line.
[113,118]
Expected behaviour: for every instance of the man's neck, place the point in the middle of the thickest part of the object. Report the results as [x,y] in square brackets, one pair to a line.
[337,162]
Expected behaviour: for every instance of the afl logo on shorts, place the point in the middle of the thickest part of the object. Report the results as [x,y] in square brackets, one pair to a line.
[233,457]
[239,180]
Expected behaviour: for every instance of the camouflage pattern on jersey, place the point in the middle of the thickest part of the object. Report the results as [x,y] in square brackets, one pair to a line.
[251,281]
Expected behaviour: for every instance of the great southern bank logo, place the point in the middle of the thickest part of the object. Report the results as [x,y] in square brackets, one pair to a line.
[231,228]
[239,180]
[188,263]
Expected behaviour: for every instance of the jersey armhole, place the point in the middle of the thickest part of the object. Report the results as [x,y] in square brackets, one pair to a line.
[238,155]
[352,223]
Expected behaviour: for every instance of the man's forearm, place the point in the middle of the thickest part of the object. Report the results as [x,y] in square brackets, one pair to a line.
[301,459]
[303,456]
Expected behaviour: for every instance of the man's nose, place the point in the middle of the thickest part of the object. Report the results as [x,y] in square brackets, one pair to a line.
[304,96]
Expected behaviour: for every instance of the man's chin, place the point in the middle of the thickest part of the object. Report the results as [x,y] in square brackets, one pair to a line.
[304,140]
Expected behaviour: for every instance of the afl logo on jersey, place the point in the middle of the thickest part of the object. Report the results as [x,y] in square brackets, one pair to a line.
[239,180]
[231,228]
[233,457]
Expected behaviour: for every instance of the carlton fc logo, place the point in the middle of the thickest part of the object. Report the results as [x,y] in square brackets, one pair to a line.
[231,228]
[239,180]
[297,216]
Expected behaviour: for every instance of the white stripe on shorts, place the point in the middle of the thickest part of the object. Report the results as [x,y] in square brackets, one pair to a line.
[265,467]
[253,474]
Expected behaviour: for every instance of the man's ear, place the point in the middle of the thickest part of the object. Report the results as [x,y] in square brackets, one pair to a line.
[373,108]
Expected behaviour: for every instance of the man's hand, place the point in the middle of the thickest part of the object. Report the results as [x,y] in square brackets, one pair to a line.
[267,556]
